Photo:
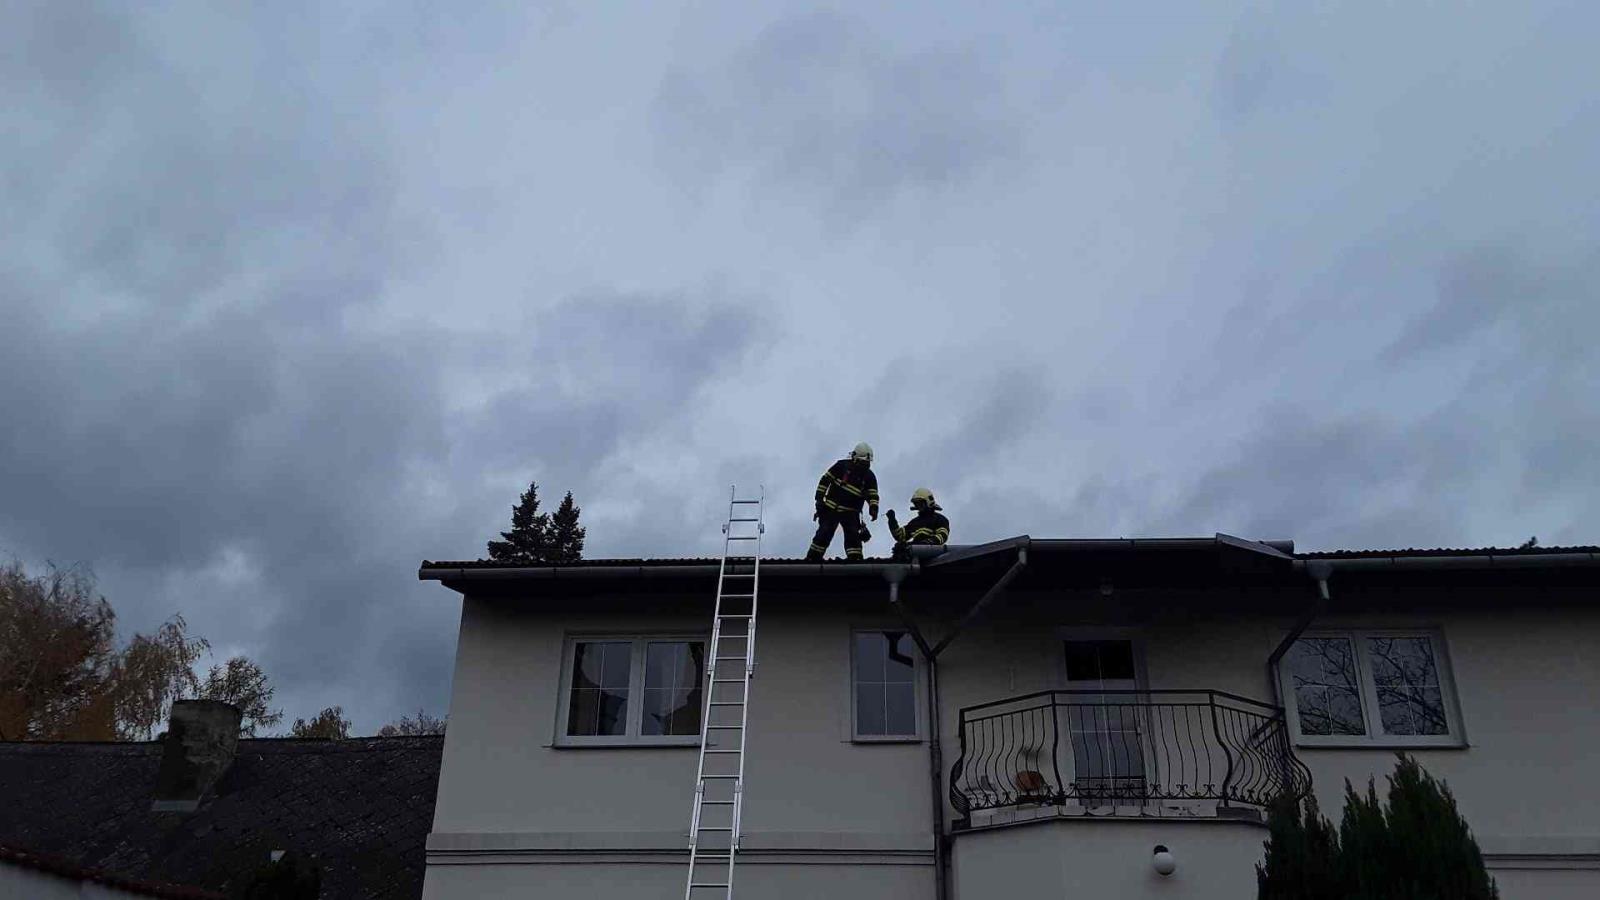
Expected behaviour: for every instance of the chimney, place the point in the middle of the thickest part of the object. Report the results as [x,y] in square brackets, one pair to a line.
[198,748]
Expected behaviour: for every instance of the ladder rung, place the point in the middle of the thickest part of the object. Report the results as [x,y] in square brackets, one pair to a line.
[741,537]
[736,616]
[716,828]
[725,727]
[707,884]
[728,680]
[727,703]
[745,519]
[732,658]
[704,777]
[724,751]
[736,596]
[747,501]
[716,802]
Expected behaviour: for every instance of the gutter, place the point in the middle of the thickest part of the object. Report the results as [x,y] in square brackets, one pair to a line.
[1402,563]
[709,570]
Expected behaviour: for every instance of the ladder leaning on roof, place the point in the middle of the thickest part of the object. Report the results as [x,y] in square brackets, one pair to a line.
[719,777]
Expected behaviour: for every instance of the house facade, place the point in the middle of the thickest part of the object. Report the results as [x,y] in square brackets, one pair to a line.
[1036,715]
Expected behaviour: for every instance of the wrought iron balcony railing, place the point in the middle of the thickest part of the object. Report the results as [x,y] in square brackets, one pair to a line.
[1124,753]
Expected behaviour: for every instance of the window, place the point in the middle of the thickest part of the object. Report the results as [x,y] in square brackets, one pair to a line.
[882,685]
[621,690]
[1365,687]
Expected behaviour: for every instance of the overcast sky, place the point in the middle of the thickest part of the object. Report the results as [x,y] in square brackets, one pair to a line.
[292,298]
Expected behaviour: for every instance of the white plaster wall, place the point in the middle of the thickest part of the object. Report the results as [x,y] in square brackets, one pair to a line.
[500,772]
[1077,858]
[1528,679]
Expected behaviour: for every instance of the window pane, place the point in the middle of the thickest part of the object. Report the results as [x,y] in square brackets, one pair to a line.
[869,709]
[870,651]
[1099,660]
[900,714]
[884,670]
[673,674]
[599,704]
[1327,696]
[1406,677]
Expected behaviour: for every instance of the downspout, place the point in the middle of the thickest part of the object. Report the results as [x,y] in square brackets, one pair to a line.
[935,746]
[1320,571]
[941,842]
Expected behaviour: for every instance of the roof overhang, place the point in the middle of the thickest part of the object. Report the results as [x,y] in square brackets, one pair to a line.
[1130,561]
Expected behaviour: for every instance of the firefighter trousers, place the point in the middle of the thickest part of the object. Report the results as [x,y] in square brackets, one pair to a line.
[827,521]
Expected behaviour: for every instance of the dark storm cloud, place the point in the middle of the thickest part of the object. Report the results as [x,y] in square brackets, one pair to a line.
[292,297]
[196,370]
[818,100]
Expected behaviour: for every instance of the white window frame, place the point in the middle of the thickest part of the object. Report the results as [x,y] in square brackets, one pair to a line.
[632,736]
[916,690]
[1371,713]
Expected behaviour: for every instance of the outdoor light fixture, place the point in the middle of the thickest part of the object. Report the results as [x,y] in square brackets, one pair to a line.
[1162,861]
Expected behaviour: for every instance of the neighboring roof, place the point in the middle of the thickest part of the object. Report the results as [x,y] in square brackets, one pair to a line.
[360,808]
[65,868]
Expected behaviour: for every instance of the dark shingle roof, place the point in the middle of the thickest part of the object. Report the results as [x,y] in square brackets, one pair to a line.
[362,808]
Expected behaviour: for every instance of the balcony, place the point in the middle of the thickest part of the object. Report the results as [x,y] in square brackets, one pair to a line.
[1179,754]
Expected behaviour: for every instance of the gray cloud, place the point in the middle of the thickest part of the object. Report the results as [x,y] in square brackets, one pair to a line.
[822,102]
[293,298]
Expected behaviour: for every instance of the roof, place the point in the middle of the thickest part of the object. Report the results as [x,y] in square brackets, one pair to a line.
[361,808]
[1053,563]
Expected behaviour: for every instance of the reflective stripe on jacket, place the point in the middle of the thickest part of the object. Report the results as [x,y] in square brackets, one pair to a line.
[846,486]
[927,528]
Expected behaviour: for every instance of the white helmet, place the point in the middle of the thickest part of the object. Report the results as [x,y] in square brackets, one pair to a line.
[925,496]
[863,452]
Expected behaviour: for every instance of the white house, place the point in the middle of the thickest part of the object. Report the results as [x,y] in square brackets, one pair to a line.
[1025,716]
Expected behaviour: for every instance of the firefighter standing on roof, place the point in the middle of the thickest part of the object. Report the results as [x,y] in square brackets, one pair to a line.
[929,526]
[846,485]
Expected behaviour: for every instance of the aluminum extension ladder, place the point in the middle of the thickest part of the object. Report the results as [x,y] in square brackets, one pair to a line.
[719,777]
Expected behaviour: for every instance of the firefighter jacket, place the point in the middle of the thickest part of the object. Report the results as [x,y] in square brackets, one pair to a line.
[846,485]
[928,527]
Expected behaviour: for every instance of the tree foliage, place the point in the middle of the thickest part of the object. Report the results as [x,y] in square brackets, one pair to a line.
[153,671]
[57,657]
[62,677]
[242,683]
[537,537]
[1415,847]
[1302,857]
[406,726]
[328,725]
[566,535]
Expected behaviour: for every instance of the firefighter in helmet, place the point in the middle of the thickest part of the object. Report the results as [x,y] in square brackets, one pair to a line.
[843,489]
[928,526]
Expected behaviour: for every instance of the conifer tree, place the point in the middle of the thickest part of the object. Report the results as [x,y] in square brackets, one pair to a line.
[1417,847]
[1302,861]
[566,535]
[1428,850]
[528,541]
